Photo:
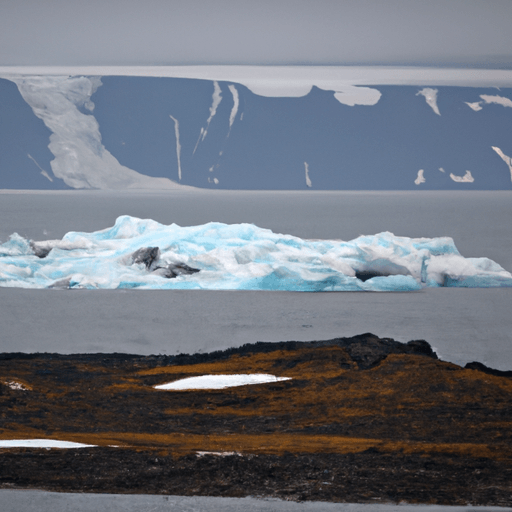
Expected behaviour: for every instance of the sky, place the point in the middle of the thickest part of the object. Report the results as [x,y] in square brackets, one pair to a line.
[461,33]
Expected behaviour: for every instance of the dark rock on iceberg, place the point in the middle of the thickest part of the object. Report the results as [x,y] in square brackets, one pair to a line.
[146,255]
[175,270]
[150,256]
[40,252]
[61,284]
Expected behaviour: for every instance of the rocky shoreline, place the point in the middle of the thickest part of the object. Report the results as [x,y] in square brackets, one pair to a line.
[361,419]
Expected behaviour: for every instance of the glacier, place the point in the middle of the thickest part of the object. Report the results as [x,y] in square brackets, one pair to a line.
[217,256]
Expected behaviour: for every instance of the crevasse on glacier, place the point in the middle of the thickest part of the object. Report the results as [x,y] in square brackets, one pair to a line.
[217,256]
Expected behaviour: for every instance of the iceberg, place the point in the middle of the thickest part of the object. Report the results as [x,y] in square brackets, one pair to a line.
[142,253]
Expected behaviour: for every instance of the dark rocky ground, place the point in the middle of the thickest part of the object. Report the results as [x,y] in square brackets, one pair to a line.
[362,419]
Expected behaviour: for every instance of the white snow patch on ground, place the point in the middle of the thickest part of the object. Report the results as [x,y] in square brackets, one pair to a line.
[476,106]
[507,159]
[178,144]
[218,454]
[43,172]
[420,178]
[498,100]
[467,178]
[488,99]
[308,180]
[81,160]
[16,385]
[216,99]
[41,443]
[236,103]
[220,381]
[352,95]
[431,98]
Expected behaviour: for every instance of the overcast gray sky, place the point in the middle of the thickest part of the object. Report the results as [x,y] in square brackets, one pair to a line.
[170,32]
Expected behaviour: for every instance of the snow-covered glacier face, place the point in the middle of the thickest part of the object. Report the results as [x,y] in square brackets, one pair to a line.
[145,254]
[143,132]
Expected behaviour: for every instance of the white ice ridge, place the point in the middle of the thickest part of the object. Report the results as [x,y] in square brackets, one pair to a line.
[505,158]
[41,443]
[236,103]
[238,257]
[420,178]
[178,144]
[467,178]
[431,98]
[216,99]
[331,78]
[308,179]
[220,381]
[80,160]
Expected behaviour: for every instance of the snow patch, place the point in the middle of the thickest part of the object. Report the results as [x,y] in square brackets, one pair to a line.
[467,178]
[420,178]
[498,100]
[352,95]
[178,144]
[236,103]
[41,443]
[81,160]
[430,97]
[18,386]
[220,381]
[345,93]
[219,454]
[476,106]
[488,99]
[43,172]
[308,180]
[216,99]
[507,159]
